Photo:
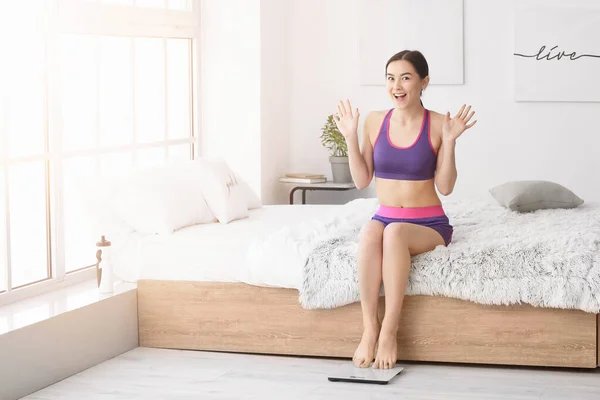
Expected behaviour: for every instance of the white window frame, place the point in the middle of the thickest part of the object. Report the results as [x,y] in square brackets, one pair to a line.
[81,17]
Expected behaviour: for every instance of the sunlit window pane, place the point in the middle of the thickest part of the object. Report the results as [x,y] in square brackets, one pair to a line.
[152,157]
[119,2]
[179,88]
[151,3]
[77,59]
[3,258]
[180,5]
[27,193]
[96,100]
[180,152]
[149,90]
[24,89]
[29,12]
[116,113]
[79,240]
[115,164]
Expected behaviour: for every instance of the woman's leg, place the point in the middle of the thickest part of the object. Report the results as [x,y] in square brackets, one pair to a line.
[369,279]
[400,242]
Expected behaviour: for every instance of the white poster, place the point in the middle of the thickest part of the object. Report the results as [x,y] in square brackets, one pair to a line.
[557,54]
[434,27]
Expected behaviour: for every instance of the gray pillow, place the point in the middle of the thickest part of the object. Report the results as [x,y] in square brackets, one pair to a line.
[525,196]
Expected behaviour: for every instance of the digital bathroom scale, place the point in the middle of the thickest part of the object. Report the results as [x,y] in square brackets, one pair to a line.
[350,373]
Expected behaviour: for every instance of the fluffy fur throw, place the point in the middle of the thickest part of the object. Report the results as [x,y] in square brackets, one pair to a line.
[546,258]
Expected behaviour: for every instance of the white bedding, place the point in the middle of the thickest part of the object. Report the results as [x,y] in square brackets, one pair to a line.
[219,252]
[547,258]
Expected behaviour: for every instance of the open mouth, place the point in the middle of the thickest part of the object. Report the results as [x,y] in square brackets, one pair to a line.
[399,96]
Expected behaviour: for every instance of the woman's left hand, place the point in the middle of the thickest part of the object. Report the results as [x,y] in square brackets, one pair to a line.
[454,127]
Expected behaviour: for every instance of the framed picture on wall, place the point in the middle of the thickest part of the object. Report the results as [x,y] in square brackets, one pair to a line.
[387,27]
[557,53]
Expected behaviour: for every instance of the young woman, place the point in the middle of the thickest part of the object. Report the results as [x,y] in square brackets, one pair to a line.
[410,151]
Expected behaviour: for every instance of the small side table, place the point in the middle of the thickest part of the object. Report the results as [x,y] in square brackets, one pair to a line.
[317,186]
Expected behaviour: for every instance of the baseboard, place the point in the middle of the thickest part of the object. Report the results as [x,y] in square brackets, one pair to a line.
[41,354]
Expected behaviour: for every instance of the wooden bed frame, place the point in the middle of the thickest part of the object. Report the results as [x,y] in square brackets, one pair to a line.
[236,317]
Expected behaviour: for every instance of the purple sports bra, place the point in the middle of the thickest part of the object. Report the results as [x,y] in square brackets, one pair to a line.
[415,162]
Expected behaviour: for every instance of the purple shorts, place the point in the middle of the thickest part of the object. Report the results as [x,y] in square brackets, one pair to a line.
[432,217]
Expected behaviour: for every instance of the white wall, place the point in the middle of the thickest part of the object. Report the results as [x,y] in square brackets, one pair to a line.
[553,141]
[230,85]
[275,98]
[245,98]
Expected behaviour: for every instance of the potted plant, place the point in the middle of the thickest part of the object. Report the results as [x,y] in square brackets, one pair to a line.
[332,139]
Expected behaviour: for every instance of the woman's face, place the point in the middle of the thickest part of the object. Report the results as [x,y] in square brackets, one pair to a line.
[404,85]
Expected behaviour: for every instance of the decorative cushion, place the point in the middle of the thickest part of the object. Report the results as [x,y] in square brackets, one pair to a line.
[526,196]
[224,191]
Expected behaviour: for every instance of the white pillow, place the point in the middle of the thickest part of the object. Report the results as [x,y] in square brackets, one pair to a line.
[162,199]
[224,191]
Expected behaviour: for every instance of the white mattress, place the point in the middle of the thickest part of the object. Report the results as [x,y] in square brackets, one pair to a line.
[217,252]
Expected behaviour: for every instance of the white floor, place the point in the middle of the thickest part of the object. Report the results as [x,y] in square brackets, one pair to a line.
[145,373]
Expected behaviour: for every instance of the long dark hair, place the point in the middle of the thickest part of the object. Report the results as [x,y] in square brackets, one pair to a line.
[417,60]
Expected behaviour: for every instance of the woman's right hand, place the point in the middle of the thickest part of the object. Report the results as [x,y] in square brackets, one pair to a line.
[346,120]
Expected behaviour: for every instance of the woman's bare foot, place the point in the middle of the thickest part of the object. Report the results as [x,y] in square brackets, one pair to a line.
[365,352]
[387,351]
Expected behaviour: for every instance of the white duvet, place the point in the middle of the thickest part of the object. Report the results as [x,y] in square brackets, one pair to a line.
[222,252]
[286,250]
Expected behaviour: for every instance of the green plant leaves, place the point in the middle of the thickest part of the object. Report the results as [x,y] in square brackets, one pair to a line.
[332,139]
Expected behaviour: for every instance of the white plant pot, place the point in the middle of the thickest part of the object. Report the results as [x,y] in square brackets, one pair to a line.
[340,169]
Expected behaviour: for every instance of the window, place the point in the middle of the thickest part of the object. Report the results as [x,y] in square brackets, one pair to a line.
[182,5]
[92,88]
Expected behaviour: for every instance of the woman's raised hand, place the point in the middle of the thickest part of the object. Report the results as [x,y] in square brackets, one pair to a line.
[346,120]
[454,127]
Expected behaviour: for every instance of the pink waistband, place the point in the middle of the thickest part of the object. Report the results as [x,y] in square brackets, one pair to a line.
[416,212]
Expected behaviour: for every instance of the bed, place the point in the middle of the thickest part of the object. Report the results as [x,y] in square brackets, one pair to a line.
[197,291]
